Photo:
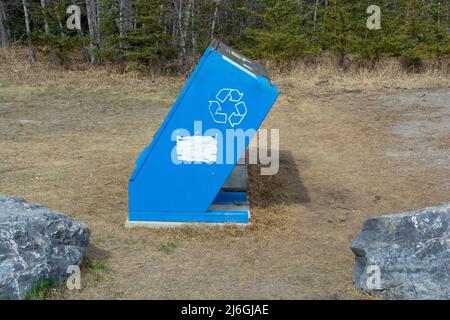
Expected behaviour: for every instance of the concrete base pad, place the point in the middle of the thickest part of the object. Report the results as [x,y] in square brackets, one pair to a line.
[155,224]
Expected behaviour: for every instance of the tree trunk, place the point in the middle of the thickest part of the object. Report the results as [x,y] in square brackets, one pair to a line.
[98,23]
[193,30]
[28,30]
[126,20]
[213,22]
[46,27]
[4,42]
[60,25]
[92,12]
[182,31]
[84,50]
[51,57]
[316,5]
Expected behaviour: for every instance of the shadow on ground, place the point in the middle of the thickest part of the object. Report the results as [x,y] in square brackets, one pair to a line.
[284,187]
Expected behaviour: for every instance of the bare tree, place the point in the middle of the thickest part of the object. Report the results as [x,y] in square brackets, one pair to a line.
[92,10]
[213,22]
[193,29]
[51,56]
[98,23]
[182,30]
[60,24]
[126,19]
[316,5]
[46,26]
[4,42]
[28,30]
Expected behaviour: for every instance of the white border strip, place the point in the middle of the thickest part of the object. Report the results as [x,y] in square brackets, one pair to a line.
[240,67]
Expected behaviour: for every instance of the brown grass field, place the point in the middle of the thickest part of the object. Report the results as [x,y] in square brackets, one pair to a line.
[353,145]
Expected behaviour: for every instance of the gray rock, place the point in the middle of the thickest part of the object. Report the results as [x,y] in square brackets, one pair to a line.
[412,252]
[36,244]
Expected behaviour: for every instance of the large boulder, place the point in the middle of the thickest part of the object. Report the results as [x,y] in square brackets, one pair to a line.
[36,244]
[410,252]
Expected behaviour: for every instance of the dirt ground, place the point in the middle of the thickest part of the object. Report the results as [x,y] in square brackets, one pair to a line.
[346,154]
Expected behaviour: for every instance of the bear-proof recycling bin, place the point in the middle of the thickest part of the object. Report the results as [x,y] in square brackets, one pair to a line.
[179,176]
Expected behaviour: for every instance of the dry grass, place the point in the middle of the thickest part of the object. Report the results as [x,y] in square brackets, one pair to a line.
[15,68]
[324,76]
[327,77]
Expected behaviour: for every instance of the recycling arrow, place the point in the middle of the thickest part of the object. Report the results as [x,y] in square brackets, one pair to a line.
[233,96]
[214,109]
[239,114]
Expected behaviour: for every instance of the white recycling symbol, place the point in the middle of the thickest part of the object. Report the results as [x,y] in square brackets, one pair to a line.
[235,115]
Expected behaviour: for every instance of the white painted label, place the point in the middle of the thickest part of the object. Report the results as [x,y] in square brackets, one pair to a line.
[197,148]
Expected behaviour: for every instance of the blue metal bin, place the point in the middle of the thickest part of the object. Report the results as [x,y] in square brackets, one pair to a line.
[178,177]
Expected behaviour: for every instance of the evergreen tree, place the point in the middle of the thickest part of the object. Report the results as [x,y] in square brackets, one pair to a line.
[280,32]
[148,44]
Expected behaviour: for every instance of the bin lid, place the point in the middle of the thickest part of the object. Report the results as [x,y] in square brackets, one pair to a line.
[240,59]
